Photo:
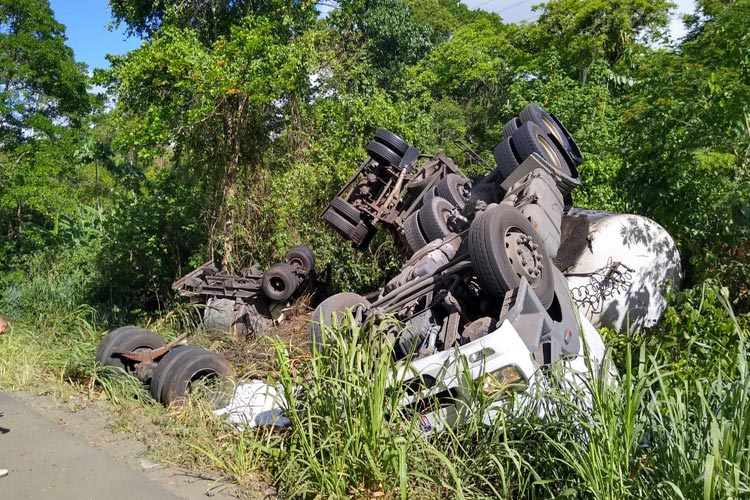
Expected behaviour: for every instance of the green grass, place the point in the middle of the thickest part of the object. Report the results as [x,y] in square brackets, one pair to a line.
[674,424]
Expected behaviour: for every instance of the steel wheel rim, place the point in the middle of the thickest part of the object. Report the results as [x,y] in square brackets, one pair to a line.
[550,150]
[523,255]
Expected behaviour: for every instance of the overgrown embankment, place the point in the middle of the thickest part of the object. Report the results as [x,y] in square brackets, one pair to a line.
[674,424]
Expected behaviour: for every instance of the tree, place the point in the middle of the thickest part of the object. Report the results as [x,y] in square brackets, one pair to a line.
[379,40]
[688,143]
[42,101]
[41,86]
[216,106]
[583,32]
[472,72]
[208,19]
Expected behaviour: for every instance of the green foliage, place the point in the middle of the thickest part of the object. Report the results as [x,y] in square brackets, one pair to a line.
[210,20]
[50,283]
[41,83]
[150,239]
[213,107]
[699,334]
[346,429]
[473,71]
[688,143]
[583,33]
[42,100]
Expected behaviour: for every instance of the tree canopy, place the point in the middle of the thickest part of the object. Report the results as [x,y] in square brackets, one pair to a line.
[236,121]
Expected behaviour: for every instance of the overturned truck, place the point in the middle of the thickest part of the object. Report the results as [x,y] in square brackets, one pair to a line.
[241,304]
[501,275]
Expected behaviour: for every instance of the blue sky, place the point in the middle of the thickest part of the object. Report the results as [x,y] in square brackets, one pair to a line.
[87,20]
[86,28]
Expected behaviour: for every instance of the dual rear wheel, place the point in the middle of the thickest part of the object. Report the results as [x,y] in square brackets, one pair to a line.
[183,370]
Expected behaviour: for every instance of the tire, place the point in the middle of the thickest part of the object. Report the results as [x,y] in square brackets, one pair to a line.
[553,128]
[383,154]
[570,145]
[414,236]
[164,366]
[362,234]
[339,223]
[433,218]
[551,125]
[190,366]
[392,141]
[511,127]
[127,338]
[347,210]
[104,351]
[506,160]
[530,138]
[493,247]
[333,306]
[429,195]
[300,257]
[455,188]
[417,186]
[279,282]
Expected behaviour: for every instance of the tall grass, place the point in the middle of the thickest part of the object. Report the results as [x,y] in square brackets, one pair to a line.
[61,350]
[653,431]
[675,422]
[703,449]
[347,432]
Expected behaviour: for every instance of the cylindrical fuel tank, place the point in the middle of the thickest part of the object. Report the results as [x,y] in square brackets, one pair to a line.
[618,267]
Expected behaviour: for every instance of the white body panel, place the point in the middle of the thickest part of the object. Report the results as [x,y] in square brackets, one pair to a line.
[257,403]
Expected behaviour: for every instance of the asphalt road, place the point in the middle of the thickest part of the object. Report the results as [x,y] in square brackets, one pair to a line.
[46,462]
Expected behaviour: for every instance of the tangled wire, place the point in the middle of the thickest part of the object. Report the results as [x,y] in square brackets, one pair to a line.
[615,277]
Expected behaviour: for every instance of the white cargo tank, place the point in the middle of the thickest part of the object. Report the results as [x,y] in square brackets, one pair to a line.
[618,267]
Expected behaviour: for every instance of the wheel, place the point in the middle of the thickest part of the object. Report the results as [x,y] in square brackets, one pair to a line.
[433,218]
[455,188]
[383,154]
[339,223]
[504,247]
[421,180]
[104,351]
[429,195]
[347,210]
[279,282]
[394,142]
[506,160]
[570,145]
[362,234]
[188,368]
[126,338]
[511,127]
[300,257]
[164,366]
[553,128]
[414,236]
[331,310]
[530,138]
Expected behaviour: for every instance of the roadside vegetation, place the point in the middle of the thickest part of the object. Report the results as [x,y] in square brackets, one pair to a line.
[673,424]
[225,136]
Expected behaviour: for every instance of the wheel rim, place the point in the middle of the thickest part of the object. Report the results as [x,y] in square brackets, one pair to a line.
[277,284]
[550,151]
[523,256]
[209,386]
[297,262]
[552,127]
[445,212]
[464,189]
